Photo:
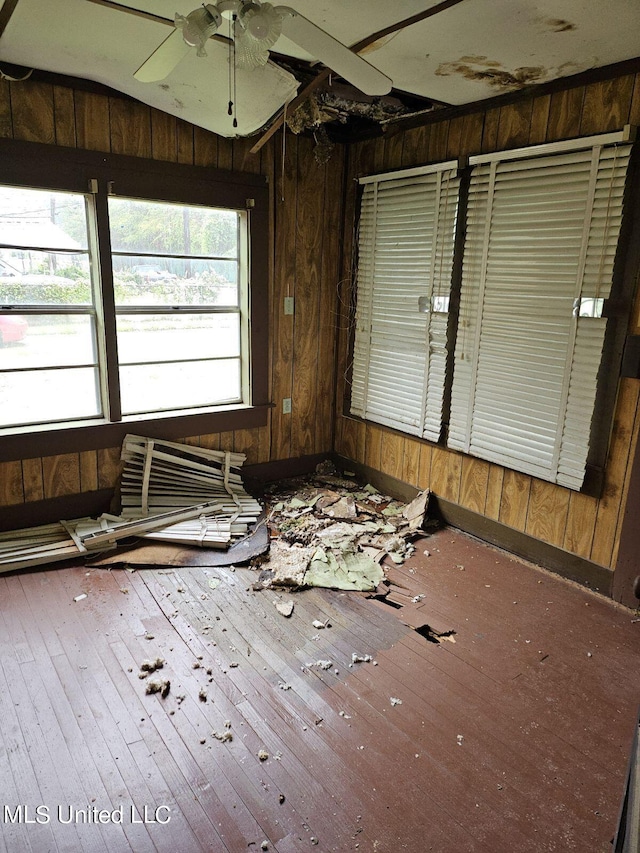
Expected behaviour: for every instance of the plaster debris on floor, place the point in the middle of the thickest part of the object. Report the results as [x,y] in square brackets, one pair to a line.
[330,531]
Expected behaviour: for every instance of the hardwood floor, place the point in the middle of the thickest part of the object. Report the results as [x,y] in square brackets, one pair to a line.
[514,738]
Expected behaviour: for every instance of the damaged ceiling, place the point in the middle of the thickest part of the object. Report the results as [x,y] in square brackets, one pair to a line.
[462,51]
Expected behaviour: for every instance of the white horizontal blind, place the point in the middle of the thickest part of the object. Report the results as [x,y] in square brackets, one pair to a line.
[542,234]
[406,238]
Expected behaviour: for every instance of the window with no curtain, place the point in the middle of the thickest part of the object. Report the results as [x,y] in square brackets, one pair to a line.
[127,294]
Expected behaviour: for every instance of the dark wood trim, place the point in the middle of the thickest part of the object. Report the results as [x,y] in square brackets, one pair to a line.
[139,13]
[70,168]
[627,564]
[57,441]
[404,23]
[6,12]
[89,504]
[282,469]
[103,239]
[631,358]
[617,310]
[454,298]
[547,556]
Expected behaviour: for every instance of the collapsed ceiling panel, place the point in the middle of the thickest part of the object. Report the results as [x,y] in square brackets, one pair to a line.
[467,51]
[85,40]
[477,50]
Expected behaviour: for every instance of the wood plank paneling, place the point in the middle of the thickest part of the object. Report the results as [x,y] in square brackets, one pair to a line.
[6,121]
[494,491]
[328,307]
[438,139]
[352,439]
[33,480]
[88,471]
[164,136]
[109,467]
[130,128]
[415,148]
[32,111]
[539,119]
[609,505]
[391,454]
[581,521]
[514,499]
[185,142]
[446,470]
[514,125]
[393,152]
[205,146]
[373,446]
[564,114]
[92,121]
[490,130]
[225,153]
[474,484]
[547,512]
[282,329]
[424,471]
[607,105]
[411,462]
[64,116]
[11,487]
[61,475]
[634,111]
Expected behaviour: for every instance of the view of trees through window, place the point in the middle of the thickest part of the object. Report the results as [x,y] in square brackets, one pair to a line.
[176,277]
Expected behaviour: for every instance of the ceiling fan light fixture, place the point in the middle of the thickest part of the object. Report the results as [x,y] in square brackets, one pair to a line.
[198,26]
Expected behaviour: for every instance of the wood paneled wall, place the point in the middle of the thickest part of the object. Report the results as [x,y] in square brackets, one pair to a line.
[305,258]
[583,525]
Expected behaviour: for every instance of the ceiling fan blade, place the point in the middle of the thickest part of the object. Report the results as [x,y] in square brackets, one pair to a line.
[163,59]
[333,53]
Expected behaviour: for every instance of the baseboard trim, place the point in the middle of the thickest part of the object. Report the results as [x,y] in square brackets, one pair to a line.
[520,544]
[47,511]
[282,469]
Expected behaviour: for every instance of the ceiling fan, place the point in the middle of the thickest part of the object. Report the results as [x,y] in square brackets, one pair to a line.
[255,28]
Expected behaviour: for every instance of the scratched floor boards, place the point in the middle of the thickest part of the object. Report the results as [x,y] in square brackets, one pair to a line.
[515,738]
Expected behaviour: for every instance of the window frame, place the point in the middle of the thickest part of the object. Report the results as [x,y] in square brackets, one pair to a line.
[38,166]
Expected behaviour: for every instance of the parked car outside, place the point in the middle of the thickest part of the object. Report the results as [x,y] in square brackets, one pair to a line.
[148,272]
[13,328]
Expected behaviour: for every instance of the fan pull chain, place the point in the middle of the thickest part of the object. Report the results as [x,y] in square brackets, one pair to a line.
[231,110]
[235,96]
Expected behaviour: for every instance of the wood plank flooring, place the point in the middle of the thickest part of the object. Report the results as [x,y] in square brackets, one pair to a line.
[515,738]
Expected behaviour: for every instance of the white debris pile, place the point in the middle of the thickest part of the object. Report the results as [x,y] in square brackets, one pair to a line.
[170,491]
[337,533]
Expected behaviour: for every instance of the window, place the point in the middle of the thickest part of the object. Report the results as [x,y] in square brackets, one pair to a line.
[181,312]
[406,238]
[129,290]
[537,268]
[48,324]
[537,264]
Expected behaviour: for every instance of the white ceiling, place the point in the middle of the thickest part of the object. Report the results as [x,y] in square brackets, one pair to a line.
[472,51]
